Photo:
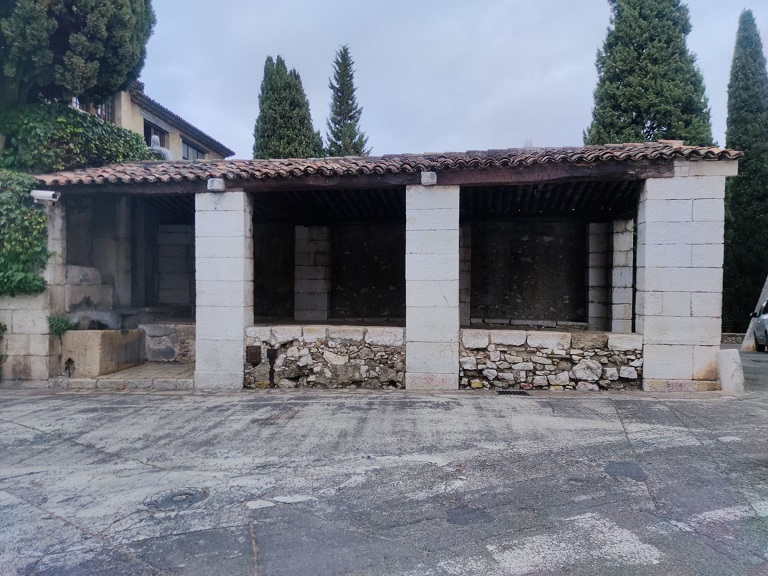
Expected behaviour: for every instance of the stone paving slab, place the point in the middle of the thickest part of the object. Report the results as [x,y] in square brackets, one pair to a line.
[373,483]
[150,375]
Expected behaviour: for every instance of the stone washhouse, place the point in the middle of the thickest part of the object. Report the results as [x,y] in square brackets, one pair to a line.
[570,268]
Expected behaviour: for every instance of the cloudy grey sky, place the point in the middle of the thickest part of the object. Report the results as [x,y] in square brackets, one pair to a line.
[431,75]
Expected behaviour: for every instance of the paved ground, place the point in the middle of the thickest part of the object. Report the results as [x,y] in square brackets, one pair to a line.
[368,483]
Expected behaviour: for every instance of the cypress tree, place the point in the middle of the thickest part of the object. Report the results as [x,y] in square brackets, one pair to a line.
[284,125]
[746,222]
[344,135]
[649,87]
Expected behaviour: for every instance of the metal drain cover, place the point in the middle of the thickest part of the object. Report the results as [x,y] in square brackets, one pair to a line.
[512,393]
[179,499]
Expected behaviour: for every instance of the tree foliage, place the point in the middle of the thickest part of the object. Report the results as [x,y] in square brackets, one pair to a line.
[746,224]
[57,49]
[49,137]
[344,136]
[284,126]
[649,87]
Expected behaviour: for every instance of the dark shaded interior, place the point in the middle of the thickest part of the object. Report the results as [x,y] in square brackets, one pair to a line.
[273,258]
[368,270]
[529,270]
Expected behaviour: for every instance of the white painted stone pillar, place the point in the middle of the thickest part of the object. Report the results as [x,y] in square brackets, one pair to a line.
[597,276]
[622,279]
[224,280]
[432,286]
[680,277]
[312,274]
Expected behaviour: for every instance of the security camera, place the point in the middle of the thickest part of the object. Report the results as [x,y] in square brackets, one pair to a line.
[45,196]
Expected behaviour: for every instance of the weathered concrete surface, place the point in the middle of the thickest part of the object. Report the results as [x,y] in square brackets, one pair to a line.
[373,483]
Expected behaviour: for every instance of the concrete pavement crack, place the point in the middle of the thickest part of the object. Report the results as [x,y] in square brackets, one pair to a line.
[94,535]
[115,455]
[255,549]
[651,495]
[713,458]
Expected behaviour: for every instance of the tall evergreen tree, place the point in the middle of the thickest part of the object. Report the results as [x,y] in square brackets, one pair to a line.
[344,135]
[746,223]
[284,126]
[649,87]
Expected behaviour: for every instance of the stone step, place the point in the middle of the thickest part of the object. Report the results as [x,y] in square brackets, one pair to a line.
[82,275]
[107,383]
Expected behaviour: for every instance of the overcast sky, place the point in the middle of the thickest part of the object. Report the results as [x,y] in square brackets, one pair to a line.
[431,75]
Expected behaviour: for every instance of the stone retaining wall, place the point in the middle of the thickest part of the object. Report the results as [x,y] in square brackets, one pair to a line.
[329,356]
[169,342]
[527,360]
[731,338]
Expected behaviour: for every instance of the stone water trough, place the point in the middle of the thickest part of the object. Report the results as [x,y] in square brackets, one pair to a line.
[88,353]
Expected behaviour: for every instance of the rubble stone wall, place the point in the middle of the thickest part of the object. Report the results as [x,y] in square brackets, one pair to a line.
[519,359]
[329,356]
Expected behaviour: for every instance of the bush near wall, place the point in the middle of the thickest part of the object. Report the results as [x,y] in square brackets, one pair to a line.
[23,237]
[50,137]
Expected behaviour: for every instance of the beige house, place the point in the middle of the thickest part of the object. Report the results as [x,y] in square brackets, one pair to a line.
[561,268]
[133,110]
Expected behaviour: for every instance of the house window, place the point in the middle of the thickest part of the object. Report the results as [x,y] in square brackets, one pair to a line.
[189,152]
[152,130]
[80,104]
[106,111]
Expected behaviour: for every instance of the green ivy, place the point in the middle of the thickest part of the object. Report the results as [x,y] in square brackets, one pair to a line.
[3,357]
[50,137]
[24,237]
[60,324]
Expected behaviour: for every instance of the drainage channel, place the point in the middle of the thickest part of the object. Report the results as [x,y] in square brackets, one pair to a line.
[512,393]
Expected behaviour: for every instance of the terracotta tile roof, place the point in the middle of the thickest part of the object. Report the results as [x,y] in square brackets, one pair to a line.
[189,171]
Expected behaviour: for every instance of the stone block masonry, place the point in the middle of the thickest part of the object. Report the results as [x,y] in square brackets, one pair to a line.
[312,273]
[432,267]
[329,356]
[518,359]
[223,232]
[679,275]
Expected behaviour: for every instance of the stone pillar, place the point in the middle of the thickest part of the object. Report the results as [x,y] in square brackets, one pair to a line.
[432,286]
[680,276]
[122,293]
[312,274]
[224,280]
[622,279]
[465,273]
[597,276]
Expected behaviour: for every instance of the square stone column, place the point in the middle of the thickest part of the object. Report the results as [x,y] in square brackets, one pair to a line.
[622,279]
[432,287]
[312,274]
[224,281]
[597,276]
[679,275]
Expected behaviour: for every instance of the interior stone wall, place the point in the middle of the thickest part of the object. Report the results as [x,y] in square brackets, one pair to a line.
[176,264]
[529,270]
[368,271]
[273,267]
